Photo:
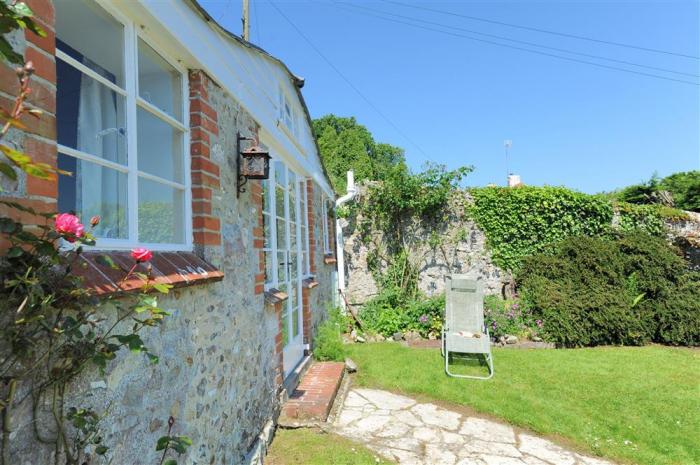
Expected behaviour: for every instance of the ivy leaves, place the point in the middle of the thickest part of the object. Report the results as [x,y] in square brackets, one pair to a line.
[522,221]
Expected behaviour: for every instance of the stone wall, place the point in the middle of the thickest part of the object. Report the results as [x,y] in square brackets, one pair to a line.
[460,248]
[457,245]
[218,374]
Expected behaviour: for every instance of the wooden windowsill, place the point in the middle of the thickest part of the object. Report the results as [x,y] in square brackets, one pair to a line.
[329,259]
[179,269]
[309,283]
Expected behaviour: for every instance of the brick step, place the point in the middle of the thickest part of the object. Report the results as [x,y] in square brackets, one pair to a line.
[313,397]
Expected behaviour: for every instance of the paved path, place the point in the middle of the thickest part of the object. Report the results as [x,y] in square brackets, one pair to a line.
[414,433]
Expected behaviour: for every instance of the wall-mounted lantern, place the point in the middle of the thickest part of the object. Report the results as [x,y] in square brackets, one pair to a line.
[253,163]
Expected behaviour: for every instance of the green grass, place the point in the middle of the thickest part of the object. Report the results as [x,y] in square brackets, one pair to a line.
[312,447]
[631,404]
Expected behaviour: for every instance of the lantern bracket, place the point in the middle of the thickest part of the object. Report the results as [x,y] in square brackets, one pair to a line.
[240,179]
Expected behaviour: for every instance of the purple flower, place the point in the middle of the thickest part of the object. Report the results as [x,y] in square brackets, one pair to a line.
[539,323]
[423,319]
[515,306]
[493,325]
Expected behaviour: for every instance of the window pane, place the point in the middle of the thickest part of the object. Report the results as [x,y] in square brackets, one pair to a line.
[90,117]
[159,83]
[266,195]
[280,173]
[159,147]
[94,190]
[161,213]
[90,35]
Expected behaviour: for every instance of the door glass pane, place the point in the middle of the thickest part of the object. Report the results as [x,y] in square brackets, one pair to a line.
[159,83]
[281,234]
[89,34]
[161,213]
[90,117]
[295,322]
[293,265]
[282,269]
[285,327]
[94,190]
[292,236]
[279,201]
[159,147]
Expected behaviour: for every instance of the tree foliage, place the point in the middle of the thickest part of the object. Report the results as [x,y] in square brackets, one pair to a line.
[347,145]
[684,189]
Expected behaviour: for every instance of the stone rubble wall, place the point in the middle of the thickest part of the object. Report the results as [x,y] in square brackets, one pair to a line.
[461,249]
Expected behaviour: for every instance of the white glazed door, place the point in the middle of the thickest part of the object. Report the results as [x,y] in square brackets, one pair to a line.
[288,229]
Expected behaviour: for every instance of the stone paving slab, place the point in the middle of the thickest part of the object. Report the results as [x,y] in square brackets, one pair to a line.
[414,433]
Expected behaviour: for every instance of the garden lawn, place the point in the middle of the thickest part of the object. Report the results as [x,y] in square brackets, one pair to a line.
[630,404]
[311,447]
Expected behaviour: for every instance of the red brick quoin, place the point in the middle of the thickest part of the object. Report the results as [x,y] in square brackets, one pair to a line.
[205,172]
[39,138]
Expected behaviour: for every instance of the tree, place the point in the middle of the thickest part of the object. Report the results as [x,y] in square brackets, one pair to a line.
[347,145]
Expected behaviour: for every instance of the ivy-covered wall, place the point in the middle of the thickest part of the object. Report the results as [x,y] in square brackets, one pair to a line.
[486,232]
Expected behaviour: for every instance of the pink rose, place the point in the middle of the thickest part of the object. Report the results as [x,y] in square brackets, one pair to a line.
[95,220]
[141,254]
[69,226]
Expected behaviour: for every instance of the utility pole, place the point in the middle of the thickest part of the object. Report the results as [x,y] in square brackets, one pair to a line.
[246,20]
[507,144]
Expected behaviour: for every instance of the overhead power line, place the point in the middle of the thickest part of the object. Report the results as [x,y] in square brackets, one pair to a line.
[543,31]
[533,44]
[538,52]
[348,81]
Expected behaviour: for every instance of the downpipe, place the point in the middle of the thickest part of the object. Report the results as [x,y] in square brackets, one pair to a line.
[339,240]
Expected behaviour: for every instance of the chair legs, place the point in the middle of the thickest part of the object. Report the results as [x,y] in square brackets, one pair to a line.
[489,361]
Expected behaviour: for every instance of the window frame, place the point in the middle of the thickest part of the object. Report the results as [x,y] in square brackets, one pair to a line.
[134,102]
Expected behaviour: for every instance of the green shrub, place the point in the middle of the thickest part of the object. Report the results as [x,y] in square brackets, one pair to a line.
[328,343]
[629,288]
[509,317]
[391,312]
[677,318]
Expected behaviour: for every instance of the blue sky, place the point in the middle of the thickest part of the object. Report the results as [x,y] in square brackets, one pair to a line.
[572,124]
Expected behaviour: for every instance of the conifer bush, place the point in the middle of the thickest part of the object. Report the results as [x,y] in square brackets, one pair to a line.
[626,288]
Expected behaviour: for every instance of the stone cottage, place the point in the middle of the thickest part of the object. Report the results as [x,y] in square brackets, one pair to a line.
[148,103]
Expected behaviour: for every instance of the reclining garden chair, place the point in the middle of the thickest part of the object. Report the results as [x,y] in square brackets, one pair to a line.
[464,330]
